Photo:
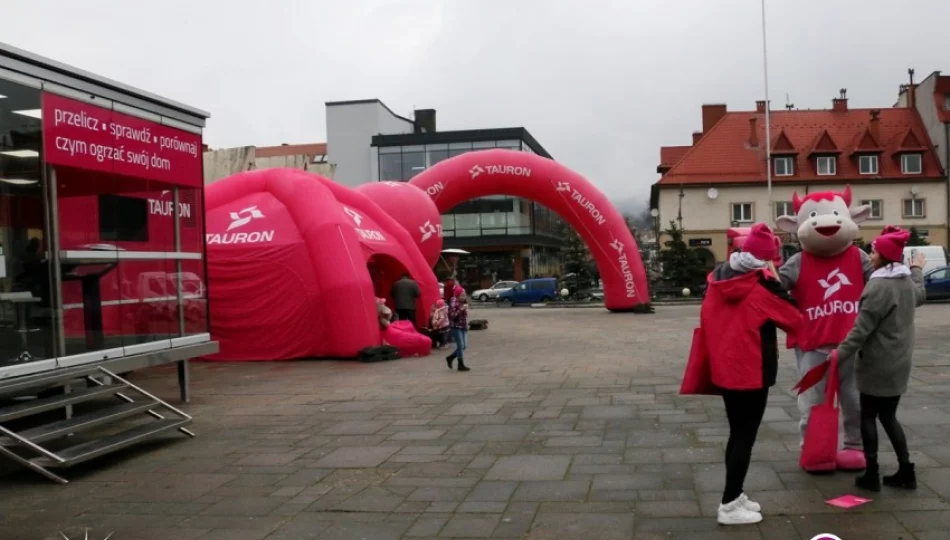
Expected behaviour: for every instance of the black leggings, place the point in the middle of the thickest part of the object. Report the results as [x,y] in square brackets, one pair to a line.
[745,409]
[885,409]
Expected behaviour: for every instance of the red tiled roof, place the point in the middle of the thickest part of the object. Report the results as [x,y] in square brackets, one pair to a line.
[724,155]
[670,155]
[314,149]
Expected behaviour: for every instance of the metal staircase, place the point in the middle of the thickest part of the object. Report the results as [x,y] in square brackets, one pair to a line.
[106,401]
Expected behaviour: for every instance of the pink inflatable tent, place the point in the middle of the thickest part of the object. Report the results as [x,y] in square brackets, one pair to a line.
[295,262]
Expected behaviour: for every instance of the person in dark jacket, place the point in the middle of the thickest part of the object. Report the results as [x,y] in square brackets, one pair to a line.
[883,338]
[405,295]
[744,304]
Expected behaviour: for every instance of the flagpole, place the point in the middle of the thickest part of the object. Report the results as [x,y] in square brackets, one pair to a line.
[768,131]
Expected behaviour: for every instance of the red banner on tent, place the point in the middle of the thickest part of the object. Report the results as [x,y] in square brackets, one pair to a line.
[81,135]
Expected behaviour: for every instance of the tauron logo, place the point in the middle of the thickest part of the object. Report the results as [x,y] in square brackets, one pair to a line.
[475,171]
[358,219]
[564,186]
[839,280]
[249,213]
[429,230]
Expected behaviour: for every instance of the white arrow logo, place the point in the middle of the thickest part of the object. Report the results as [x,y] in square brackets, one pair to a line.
[358,219]
[391,184]
[618,245]
[475,171]
[238,221]
[563,186]
[839,279]
[428,230]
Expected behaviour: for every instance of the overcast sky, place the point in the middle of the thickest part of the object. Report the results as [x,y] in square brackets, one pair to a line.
[601,84]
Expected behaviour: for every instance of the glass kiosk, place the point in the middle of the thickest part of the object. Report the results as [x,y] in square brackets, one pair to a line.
[102,257]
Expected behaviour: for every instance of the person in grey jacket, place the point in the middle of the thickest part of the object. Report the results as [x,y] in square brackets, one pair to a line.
[883,337]
[405,293]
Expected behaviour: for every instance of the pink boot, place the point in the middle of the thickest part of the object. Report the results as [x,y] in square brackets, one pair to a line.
[850,460]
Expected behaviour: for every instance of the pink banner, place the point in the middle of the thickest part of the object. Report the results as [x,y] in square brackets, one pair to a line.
[81,135]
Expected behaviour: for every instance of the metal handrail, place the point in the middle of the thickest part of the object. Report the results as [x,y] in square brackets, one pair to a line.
[143,392]
[32,445]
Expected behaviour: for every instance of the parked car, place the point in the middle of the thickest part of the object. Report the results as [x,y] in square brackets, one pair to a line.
[936,256]
[491,293]
[938,284]
[530,291]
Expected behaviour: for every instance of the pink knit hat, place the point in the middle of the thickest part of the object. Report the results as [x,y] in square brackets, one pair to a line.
[761,243]
[890,244]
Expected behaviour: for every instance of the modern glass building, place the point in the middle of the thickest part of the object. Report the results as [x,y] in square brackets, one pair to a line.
[509,238]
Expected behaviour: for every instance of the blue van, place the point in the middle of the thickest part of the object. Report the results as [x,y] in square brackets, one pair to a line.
[530,291]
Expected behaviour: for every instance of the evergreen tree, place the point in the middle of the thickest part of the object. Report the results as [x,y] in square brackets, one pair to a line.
[682,267]
[864,246]
[916,239]
[576,260]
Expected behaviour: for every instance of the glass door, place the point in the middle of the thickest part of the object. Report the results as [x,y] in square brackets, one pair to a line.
[26,304]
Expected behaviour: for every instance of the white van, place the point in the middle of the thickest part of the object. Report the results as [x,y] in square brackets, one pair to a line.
[936,256]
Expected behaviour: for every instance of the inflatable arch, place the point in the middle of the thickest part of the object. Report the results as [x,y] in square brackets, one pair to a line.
[290,256]
[586,209]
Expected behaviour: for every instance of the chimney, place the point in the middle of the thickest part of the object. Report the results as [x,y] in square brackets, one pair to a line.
[711,115]
[874,127]
[424,120]
[696,136]
[911,90]
[753,132]
[760,106]
[840,104]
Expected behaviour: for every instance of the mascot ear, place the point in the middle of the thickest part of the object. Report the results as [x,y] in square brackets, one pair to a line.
[787,224]
[860,214]
[847,195]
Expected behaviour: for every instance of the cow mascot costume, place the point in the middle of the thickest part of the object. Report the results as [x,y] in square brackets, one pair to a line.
[827,279]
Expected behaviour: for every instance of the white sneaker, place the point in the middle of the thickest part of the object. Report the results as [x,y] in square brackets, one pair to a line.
[735,513]
[749,504]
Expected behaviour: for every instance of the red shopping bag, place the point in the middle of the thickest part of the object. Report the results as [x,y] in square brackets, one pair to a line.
[698,377]
[821,436]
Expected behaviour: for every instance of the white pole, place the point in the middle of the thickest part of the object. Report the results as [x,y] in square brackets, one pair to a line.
[768,130]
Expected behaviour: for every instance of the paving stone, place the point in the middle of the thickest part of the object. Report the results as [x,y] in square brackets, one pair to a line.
[466,409]
[497,433]
[468,526]
[489,491]
[582,527]
[357,457]
[569,490]
[529,468]
[426,526]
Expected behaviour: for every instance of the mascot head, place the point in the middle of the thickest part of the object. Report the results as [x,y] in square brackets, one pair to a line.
[825,223]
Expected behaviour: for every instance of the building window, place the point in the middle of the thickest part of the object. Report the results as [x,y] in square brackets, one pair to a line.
[827,166]
[867,164]
[784,208]
[946,104]
[390,164]
[742,212]
[413,161]
[911,163]
[877,208]
[915,208]
[784,166]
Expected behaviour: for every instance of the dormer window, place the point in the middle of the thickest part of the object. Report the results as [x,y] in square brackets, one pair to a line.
[911,163]
[827,165]
[784,166]
[868,164]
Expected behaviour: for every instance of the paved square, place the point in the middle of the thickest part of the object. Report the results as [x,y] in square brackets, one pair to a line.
[570,426]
